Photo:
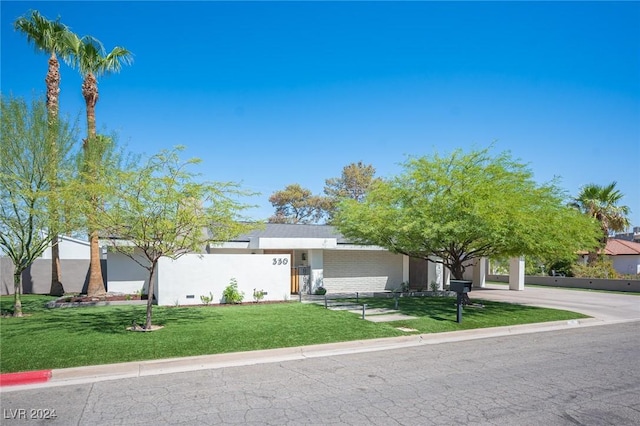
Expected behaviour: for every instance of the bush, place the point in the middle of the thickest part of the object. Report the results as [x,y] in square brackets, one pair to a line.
[231,293]
[601,268]
[321,291]
[258,295]
[562,267]
[206,299]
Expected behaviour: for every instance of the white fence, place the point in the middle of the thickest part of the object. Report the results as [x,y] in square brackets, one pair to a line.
[570,282]
[184,280]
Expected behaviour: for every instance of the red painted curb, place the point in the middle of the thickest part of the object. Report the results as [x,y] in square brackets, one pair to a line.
[25,378]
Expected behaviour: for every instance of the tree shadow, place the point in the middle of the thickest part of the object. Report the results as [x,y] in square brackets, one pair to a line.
[116,319]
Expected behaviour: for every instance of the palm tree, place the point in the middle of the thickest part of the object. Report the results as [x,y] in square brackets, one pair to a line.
[601,203]
[50,37]
[92,61]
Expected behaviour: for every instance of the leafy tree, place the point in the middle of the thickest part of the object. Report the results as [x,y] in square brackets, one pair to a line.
[296,204]
[465,206]
[24,185]
[162,211]
[50,37]
[93,61]
[355,181]
[601,203]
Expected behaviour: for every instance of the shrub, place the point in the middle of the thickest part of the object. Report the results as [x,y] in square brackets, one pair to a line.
[258,295]
[601,268]
[207,299]
[231,293]
[321,291]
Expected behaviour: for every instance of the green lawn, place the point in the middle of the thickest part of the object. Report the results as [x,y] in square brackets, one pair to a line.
[70,337]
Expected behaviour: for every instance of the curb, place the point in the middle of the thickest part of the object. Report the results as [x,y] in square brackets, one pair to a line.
[25,378]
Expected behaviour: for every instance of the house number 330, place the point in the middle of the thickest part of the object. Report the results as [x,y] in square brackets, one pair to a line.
[280,261]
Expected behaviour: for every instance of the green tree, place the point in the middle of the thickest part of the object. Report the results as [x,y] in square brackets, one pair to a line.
[92,61]
[354,183]
[296,204]
[601,203]
[161,210]
[24,185]
[51,38]
[466,206]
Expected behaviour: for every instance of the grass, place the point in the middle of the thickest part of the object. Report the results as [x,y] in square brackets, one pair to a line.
[60,338]
[438,314]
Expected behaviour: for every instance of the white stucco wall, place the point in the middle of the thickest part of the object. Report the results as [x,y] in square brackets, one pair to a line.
[366,270]
[184,280]
[435,274]
[70,248]
[316,262]
[626,264]
[124,275]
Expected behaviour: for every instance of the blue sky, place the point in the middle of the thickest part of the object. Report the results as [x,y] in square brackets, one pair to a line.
[274,93]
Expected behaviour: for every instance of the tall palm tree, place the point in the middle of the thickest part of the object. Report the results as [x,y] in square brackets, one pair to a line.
[601,203]
[50,37]
[92,61]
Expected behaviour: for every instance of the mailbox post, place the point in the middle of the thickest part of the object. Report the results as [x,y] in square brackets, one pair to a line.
[460,287]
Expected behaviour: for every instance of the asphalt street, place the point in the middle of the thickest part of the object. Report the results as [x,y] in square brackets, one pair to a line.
[585,376]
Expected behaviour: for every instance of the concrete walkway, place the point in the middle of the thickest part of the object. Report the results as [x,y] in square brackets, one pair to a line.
[605,308]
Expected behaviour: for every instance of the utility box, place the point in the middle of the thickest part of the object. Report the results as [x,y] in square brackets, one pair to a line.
[460,286]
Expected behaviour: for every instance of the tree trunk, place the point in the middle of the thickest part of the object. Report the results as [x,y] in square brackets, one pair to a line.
[457,270]
[90,94]
[52,82]
[150,294]
[17,288]
[57,289]
[96,284]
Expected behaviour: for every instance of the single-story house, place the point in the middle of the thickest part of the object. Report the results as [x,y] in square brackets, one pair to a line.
[285,260]
[321,256]
[625,256]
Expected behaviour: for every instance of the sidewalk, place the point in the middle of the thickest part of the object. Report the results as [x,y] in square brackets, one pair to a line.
[605,308]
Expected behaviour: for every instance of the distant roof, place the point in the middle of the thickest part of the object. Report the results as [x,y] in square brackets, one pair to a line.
[288,230]
[616,247]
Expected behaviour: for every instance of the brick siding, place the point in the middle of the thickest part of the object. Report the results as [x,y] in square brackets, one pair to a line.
[366,270]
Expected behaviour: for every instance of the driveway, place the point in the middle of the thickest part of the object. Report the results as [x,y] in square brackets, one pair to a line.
[606,306]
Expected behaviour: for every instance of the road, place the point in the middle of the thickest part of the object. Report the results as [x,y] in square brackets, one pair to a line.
[587,376]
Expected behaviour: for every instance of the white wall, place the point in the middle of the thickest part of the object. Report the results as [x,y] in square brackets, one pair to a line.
[316,262]
[124,275]
[198,275]
[435,272]
[70,248]
[626,264]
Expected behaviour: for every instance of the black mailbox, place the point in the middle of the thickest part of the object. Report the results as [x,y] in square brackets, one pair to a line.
[460,286]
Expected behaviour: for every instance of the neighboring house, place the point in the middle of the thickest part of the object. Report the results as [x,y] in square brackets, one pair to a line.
[36,279]
[630,236]
[625,256]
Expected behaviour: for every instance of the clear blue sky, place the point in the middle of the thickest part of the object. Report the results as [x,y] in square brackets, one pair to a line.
[270,94]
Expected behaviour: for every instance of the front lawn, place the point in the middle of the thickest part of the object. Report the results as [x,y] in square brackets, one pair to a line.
[70,337]
[438,314]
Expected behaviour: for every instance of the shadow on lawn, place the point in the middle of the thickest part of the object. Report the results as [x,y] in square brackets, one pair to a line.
[115,320]
[444,308]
